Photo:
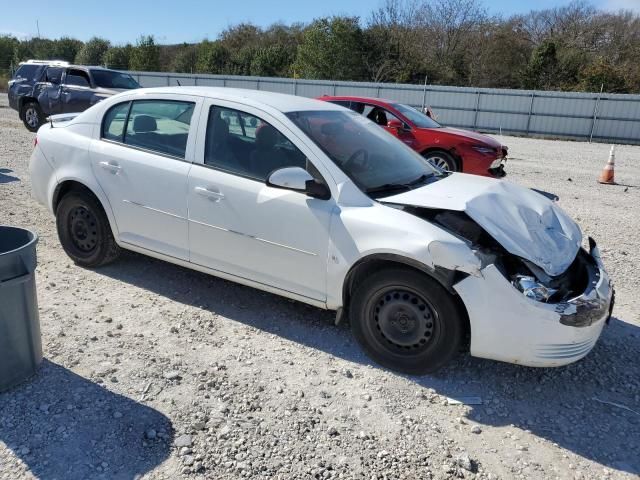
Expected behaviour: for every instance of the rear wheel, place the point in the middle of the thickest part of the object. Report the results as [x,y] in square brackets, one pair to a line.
[32,116]
[406,321]
[84,231]
[442,159]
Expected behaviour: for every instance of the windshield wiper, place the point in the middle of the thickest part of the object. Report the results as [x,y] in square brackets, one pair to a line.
[388,187]
[420,179]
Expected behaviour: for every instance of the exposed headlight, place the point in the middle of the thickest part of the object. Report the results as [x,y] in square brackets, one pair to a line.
[485,150]
[533,289]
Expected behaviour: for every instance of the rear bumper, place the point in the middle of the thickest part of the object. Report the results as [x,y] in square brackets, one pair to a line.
[507,326]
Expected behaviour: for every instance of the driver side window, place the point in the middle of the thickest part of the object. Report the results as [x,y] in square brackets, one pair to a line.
[246,145]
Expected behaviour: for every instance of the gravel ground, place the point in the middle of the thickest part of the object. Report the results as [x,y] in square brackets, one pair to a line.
[159,372]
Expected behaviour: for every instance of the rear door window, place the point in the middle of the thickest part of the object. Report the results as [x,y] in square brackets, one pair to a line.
[78,78]
[54,75]
[159,125]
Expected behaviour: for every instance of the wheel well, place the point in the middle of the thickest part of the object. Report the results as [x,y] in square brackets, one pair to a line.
[456,158]
[67,186]
[24,100]
[369,265]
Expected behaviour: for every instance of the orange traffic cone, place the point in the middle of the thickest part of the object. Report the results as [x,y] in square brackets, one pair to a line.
[606,176]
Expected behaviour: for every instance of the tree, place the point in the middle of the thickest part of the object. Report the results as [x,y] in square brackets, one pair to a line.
[212,57]
[145,56]
[332,48]
[542,67]
[602,74]
[118,57]
[7,47]
[185,59]
[66,48]
[92,52]
[272,61]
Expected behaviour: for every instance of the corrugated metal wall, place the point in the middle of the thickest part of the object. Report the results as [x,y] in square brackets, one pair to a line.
[580,116]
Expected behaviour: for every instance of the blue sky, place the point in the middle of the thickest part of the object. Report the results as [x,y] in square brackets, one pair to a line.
[193,20]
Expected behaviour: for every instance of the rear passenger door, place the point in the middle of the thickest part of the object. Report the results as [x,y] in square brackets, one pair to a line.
[142,161]
[76,91]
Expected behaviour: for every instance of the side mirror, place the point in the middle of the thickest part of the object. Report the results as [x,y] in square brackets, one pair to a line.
[395,124]
[298,180]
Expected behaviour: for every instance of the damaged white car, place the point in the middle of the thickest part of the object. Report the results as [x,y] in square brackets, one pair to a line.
[311,201]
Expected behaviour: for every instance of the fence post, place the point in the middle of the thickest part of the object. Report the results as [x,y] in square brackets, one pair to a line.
[258,84]
[595,114]
[295,86]
[334,89]
[224,82]
[195,80]
[168,81]
[378,92]
[533,95]
[475,118]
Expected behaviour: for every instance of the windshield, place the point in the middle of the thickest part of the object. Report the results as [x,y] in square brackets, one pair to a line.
[420,120]
[378,163]
[111,79]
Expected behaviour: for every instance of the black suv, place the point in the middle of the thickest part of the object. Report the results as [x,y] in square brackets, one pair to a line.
[42,88]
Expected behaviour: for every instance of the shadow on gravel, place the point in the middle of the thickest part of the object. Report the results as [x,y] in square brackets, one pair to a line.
[64,426]
[555,404]
[4,178]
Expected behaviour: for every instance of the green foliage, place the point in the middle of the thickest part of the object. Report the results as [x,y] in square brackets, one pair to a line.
[602,74]
[91,53]
[185,59]
[211,57]
[118,57]
[451,42]
[145,56]
[332,48]
[7,47]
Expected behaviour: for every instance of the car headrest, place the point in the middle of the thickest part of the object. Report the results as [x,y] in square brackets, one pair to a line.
[266,136]
[144,123]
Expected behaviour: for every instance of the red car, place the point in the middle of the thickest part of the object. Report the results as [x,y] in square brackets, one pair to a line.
[449,148]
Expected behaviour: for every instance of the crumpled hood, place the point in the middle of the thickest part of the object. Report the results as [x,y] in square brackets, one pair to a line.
[524,222]
[471,135]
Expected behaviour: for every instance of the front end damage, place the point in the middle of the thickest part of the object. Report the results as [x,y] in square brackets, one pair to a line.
[518,311]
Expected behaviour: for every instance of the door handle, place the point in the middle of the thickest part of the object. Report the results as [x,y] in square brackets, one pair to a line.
[112,167]
[210,194]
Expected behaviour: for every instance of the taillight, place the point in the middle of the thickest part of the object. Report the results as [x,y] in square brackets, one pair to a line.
[35,142]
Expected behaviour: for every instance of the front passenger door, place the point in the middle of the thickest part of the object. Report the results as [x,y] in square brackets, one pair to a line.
[240,226]
[76,91]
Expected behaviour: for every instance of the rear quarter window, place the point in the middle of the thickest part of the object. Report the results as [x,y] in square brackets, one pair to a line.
[28,72]
[114,122]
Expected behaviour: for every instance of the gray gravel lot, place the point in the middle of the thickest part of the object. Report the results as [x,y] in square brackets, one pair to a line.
[159,372]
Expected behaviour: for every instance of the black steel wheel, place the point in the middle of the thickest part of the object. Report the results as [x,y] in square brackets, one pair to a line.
[406,321]
[84,230]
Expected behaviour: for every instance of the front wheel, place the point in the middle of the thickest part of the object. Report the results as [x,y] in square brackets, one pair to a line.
[406,321]
[32,116]
[442,160]
[84,231]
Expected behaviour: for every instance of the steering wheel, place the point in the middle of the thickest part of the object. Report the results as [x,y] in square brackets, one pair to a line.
[360,152]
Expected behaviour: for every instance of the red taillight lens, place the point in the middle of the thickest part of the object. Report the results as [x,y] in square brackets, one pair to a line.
[35,142]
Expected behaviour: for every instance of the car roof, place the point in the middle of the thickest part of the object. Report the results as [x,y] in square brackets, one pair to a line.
[376,101]
[279,101]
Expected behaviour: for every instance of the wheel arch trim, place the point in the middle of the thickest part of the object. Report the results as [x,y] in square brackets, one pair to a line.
[65,184]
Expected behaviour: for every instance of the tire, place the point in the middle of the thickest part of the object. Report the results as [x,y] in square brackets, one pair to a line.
[84,230]
[32,116]
[406,321]
[442,159]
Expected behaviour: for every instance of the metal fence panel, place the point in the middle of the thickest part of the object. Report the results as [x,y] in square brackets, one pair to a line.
[580,116]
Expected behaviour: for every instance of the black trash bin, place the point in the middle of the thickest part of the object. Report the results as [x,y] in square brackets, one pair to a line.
[20,344]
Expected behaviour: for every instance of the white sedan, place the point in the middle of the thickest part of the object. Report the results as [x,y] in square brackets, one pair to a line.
[311,201]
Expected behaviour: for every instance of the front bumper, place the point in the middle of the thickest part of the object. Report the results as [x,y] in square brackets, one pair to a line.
[507,326]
